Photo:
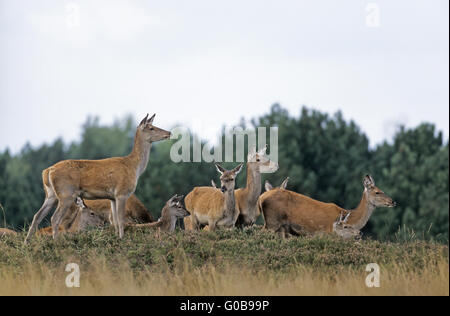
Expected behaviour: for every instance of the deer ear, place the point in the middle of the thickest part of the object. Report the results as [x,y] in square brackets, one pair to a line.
[263,150]
[79,201]
[173,200]
[238,169]
[368,182]
[144,120]
[150,120]
[268,186]
[213,184]
[284,183]
[219,168]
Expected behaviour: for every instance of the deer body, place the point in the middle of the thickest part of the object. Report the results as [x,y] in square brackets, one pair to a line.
[289,212]
[211,206]
[171,212]
[114,179]
[6,231]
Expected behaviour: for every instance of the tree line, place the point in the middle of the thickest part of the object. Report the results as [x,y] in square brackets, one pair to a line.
[325,157]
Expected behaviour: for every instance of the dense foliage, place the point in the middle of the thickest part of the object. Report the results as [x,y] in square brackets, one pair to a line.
[324,156]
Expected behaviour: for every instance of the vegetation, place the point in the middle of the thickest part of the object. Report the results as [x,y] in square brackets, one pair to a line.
[238,262]
[324,156]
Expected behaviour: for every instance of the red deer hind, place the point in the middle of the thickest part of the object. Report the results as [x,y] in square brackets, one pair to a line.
[114,179]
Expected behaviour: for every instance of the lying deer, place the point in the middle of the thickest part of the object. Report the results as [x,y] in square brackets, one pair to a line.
[114,179]
[85,219]
[288,212]
[211,206]
[171,212]
[135,211]
[6,231]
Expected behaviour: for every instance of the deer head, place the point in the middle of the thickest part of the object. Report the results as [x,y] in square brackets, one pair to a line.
[346,231]
[88,218]
[228,177]
[374,195]
[283,185]
[151,133]
[265,165]
[176,208]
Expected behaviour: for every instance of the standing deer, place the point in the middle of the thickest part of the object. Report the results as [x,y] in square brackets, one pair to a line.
[288,212]
[171,212]
[211,206]
[114,179]
[247,198]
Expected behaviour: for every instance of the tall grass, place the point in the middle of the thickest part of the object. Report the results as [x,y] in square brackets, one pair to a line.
[246,262]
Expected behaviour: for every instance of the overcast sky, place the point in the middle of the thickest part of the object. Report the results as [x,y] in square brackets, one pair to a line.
[204,63]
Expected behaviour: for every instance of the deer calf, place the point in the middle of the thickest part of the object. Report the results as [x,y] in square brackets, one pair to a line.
[171,212]
[84,219]
[288,212]
[211,206]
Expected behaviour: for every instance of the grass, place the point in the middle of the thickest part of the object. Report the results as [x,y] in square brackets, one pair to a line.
[239,262]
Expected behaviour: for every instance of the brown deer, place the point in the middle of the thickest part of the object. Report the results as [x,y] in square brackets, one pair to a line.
[135,211]
[247,198]
[6,231]
[288,212]
[171,212]
[114,179]
[211,206]
[85,219]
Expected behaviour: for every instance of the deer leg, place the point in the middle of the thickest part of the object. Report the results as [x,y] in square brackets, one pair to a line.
[212,225]
[63,206]
[194,222]
[113,218]
[120,212]
[46,207]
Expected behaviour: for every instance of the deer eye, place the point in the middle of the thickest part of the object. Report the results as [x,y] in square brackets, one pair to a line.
[377,192]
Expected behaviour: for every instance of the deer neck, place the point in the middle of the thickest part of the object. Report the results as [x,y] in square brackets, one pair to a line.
[359,217]
[140,154]
[230,203]
[253,186]
[168,222]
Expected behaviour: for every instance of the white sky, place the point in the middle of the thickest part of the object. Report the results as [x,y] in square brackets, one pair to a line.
[208,63]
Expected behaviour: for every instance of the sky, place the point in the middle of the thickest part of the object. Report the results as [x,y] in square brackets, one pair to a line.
[204,64]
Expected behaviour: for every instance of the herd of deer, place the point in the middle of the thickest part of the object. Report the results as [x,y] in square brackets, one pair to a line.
[108,186]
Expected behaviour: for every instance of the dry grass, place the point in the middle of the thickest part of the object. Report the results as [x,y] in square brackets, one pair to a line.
[250,262]
[232,281]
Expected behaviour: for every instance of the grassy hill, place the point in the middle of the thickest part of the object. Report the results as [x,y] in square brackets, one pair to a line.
[239,262]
